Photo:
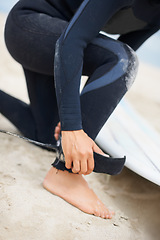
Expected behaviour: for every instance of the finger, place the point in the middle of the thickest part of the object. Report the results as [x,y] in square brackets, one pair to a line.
[57,128]
[56,132]
[83,167]
[90,166]
[76,166]
[68,162]
[56,135]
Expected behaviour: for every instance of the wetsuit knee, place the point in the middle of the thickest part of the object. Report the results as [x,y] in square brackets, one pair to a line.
[106,87]
[122,68]
[130,66]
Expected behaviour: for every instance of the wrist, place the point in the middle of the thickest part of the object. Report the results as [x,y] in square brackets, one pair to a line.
[74,132]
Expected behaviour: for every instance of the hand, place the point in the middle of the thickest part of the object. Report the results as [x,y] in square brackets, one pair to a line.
[78,150]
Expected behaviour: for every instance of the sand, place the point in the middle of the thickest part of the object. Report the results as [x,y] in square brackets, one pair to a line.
[27,211]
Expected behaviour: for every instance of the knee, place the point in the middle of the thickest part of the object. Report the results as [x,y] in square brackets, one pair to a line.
[119,63]
[129,65]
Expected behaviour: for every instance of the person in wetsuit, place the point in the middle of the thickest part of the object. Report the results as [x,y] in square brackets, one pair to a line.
[57,42]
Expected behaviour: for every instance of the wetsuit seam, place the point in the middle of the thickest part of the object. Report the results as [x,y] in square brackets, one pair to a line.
[65,37]
[63,42]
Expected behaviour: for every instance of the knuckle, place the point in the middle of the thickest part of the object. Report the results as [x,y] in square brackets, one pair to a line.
[82,154]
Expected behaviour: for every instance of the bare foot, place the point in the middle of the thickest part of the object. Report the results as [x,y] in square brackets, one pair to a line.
[74,189]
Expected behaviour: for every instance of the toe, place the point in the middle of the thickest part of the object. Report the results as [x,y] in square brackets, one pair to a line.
[103,213]
[108,214]
[96,212]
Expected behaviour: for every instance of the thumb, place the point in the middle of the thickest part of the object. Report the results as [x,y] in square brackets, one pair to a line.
[97,149]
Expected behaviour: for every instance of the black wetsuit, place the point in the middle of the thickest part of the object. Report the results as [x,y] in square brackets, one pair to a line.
[31,34]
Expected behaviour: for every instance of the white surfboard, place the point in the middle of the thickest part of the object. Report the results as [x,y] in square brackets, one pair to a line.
[127,133]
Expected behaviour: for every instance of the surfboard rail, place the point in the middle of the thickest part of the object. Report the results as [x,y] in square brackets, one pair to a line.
[127,133]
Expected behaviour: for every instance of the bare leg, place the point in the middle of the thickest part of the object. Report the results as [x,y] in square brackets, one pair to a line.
[74,189]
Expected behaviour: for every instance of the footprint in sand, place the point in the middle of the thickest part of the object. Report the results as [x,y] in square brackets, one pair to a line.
[7,179]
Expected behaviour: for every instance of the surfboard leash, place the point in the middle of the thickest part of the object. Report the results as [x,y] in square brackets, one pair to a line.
[45,145]
[102,164]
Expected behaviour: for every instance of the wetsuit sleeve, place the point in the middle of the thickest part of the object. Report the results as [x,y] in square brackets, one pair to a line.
[137,38]
[82,29]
